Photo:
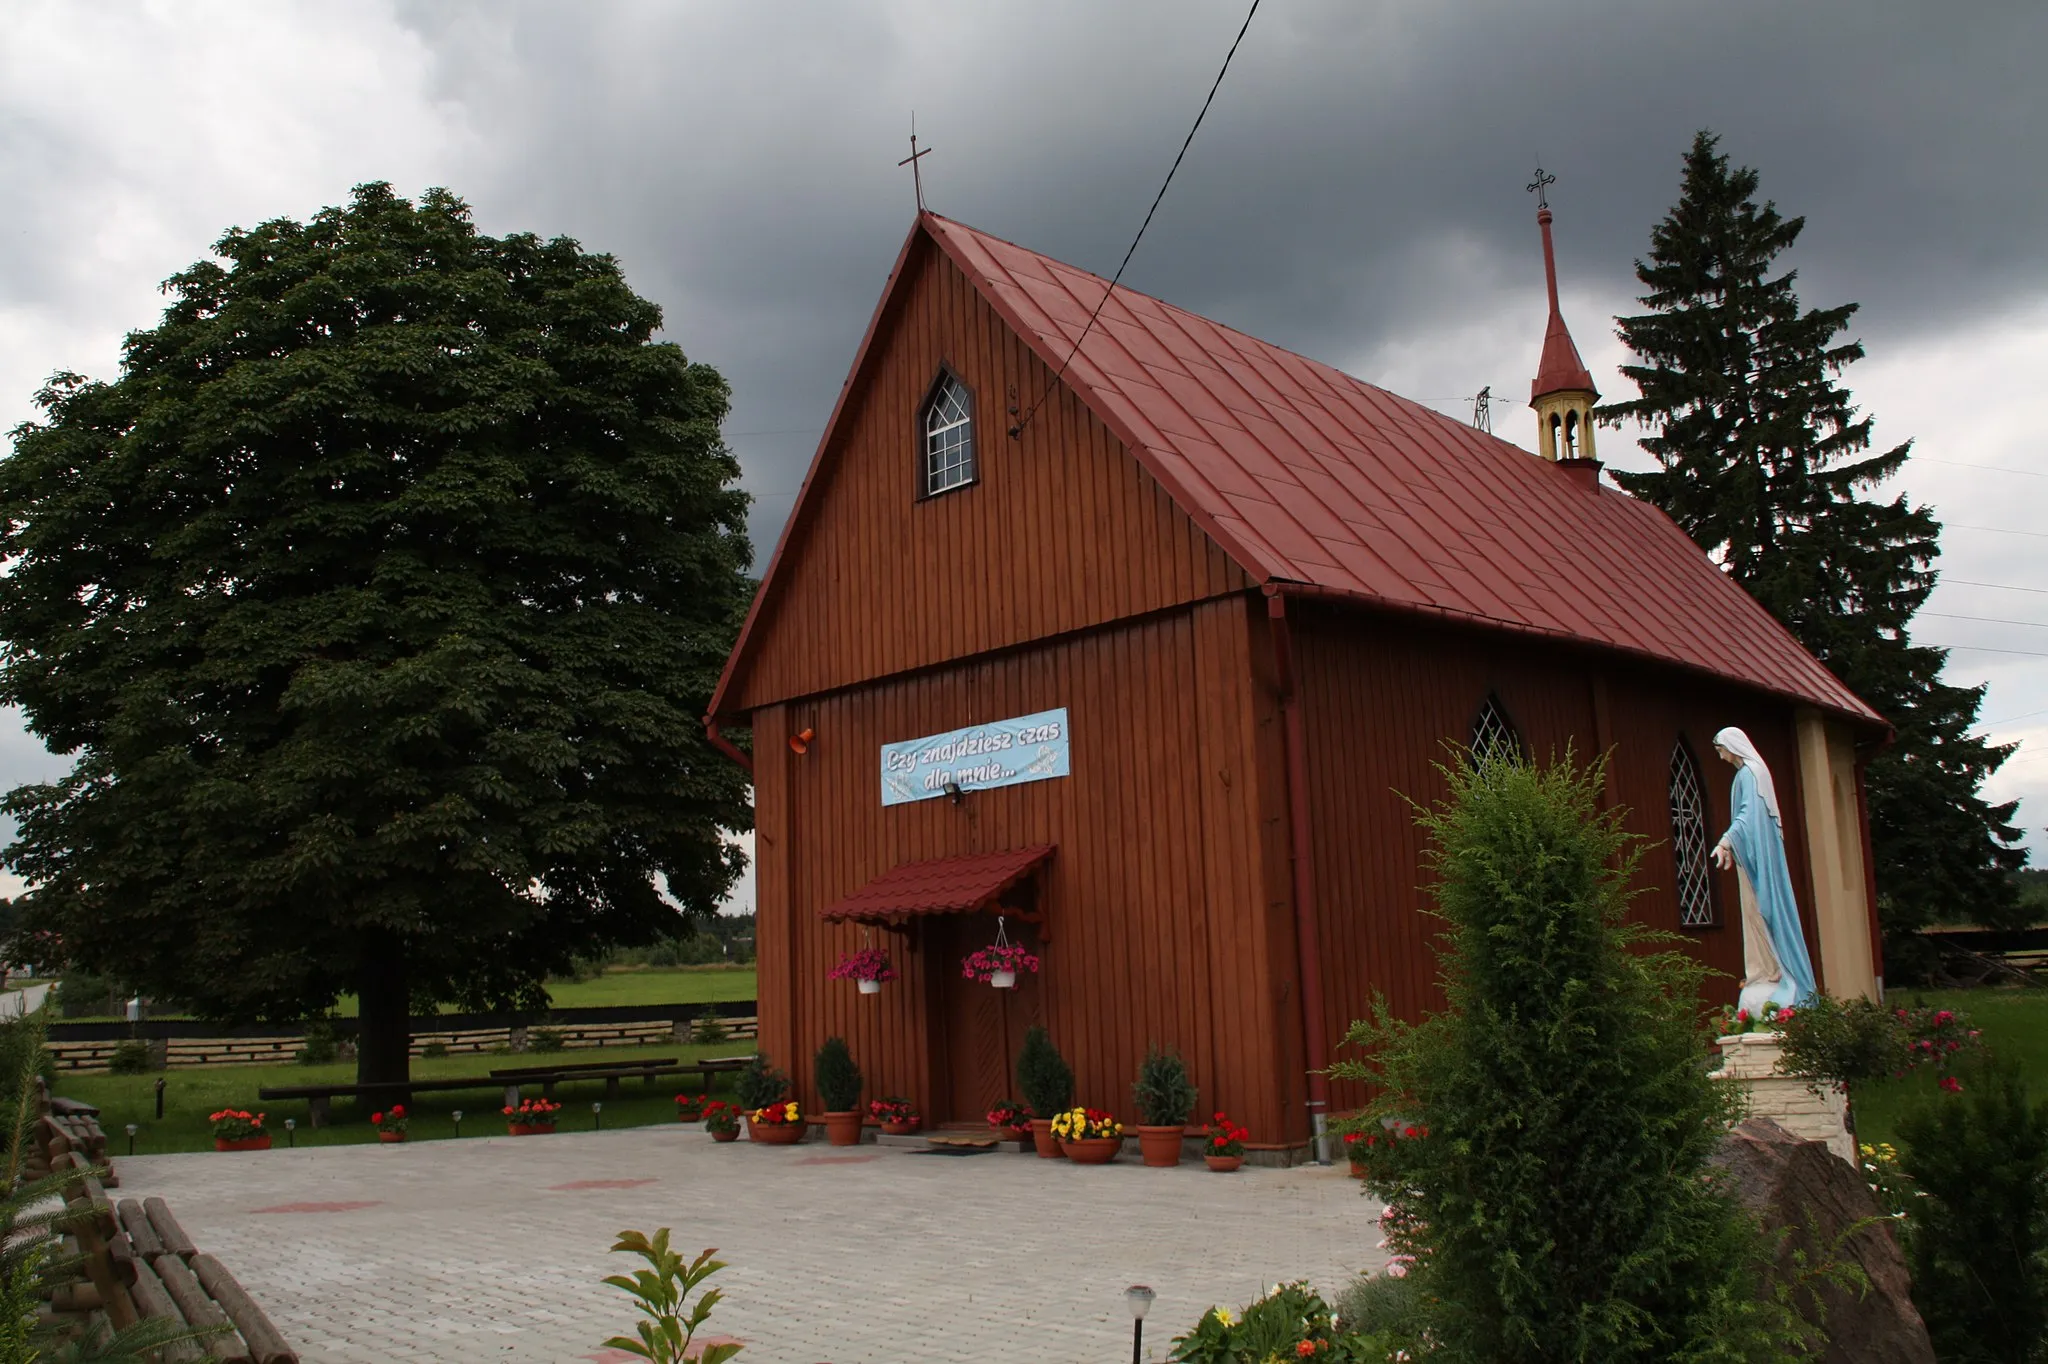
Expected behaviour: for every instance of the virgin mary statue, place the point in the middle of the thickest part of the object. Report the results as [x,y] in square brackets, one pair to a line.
[1776,970]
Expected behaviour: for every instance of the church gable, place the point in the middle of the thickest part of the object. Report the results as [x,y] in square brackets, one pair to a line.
[926,533]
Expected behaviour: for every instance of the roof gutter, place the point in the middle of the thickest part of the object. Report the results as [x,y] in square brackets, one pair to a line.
[726,746]
[1307,922]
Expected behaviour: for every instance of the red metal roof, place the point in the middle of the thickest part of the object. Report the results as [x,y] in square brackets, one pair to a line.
[1308,476]
[945,885]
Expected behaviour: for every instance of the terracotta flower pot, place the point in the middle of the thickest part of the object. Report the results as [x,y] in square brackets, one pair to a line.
[777,1133]
[1092,1150]
[261,1143]
[1357,1170]
[1041,1137]
[529,1129]
[722,1135]
[391,1136]
[843,1129]
[1223,1165]
[1160,1146]
[903,1129]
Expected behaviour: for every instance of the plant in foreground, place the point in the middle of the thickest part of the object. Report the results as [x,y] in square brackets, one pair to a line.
[983,963]
[837,1077]
[1044,1075]
[393,1120]
[1086,1124]
[776,1115]
[690,1107]
[1008,1114]
[760,1084]
[661,1293]
[893,1110]
[532,1113]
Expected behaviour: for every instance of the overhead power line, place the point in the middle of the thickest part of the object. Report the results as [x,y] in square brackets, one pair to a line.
[1984,649]
[1998,530]
[1966,464]
[1988,620]
[1189,141]
[2002,587]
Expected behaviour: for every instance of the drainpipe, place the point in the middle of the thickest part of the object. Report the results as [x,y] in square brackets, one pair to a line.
[1307,933]
[726,746]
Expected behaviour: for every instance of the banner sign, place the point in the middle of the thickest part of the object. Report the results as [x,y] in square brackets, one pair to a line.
[1005,753]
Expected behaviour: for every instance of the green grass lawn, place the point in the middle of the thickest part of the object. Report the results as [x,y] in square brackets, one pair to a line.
[190,1095]
[619,985]
[2014,1023]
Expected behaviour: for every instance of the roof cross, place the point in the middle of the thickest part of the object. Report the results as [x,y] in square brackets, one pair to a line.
[916,179]
[1539,185]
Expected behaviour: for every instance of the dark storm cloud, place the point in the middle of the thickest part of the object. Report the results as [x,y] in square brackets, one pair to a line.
[1360,175]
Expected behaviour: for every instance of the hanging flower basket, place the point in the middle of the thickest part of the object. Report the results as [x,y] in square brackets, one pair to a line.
[869,967]
[998,965]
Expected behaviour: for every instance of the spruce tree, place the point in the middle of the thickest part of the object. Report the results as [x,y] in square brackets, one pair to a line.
[378,599]
[1544,1141]
[1765,461]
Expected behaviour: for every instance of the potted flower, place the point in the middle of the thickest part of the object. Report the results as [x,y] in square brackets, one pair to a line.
[1223,1143]
[1088,1136]
[760,1084]
[1013,1120]
[691,1107]
[236,1129]
[1164,1096]
[392,1124]
[1357,1149]
[898,1117]
[1048,1084]
[532,1118]
[998,965]
[776,1125]
[868,967]
[722,1120]
[839,1084]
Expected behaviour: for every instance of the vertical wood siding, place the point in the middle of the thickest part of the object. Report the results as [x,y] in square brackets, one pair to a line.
[1063,529]
[1383,697]
[1160,901]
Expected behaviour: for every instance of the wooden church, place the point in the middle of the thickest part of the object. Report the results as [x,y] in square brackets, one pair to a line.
[1133,652]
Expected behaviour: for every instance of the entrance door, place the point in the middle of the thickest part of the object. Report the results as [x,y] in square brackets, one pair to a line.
[978,1027]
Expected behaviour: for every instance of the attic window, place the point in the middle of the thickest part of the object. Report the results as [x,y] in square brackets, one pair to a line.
[948,422]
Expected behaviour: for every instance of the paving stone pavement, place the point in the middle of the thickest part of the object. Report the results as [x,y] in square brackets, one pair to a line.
[493,1248]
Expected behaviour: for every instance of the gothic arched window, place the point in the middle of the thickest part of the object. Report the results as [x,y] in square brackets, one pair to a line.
[1494,735]
[1689,840]
[947,421]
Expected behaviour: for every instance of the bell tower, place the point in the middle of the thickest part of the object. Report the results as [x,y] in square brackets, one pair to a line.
[1563,393]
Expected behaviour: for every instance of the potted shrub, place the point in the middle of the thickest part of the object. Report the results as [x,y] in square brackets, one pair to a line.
[760,1084]
[392,1125]
[1013,1120]
[1048,1084]
[236,1129]
[532,1118]
[898,1117]
[780,1124]
[838,1080]
[1163,1096]
[1088,1136]
[722,1120]
[868,967]
[1223,1143]
[998,965]
[690,1107]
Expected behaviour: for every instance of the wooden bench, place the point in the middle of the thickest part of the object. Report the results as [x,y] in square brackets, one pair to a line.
[611,1072]
[319,1098]
[139,1264]
[62,1126]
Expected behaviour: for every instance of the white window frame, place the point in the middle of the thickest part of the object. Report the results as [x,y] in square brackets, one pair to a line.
[947,457]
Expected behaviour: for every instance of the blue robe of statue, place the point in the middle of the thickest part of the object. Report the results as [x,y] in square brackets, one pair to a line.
[1759,847]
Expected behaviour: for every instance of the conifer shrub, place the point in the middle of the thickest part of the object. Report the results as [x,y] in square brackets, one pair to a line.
[760,1084]
[1164,1094]
[837,1077]
[1978,1242]
[1043,1075]
[130,1058]
[1554,1196]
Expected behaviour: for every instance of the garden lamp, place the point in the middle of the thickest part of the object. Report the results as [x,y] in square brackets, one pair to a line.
[597,1116]
[1139,1297]
[132,1130]
[457,1115]
[159,1096]
[291,1132]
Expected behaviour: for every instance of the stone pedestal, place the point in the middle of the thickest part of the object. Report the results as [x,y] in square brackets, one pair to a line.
[1751,1059]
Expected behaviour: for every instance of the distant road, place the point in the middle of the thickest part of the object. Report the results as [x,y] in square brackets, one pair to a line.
[17,1003]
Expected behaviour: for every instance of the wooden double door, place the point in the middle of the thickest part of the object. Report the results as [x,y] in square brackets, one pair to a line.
[976,1029]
